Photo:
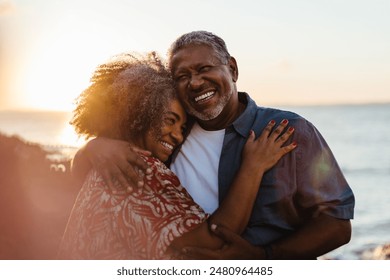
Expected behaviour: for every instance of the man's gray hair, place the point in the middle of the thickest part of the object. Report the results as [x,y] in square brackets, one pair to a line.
[200,38]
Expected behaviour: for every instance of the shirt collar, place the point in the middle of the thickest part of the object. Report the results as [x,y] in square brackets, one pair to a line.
[243,123]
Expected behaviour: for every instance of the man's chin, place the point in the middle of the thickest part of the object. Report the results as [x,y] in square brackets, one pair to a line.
[204,115]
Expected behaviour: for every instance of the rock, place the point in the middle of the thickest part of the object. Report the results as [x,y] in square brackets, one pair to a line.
[36,197]
[381,252]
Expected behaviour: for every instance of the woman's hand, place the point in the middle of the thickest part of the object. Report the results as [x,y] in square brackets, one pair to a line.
[114,160]
[264,152]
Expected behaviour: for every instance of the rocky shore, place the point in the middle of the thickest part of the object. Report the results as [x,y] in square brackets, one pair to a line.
[36,196]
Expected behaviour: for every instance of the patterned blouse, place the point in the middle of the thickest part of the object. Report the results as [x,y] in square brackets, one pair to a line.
[138,225]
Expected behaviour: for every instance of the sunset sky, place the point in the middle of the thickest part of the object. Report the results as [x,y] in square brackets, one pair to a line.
[288,52]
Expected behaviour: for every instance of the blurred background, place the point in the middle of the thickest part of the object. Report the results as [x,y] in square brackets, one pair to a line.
[327,60]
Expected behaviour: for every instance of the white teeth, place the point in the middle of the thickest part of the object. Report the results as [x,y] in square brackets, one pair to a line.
[204,96]
[165,144]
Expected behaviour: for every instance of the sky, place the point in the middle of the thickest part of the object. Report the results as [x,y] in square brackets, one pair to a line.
[288,52]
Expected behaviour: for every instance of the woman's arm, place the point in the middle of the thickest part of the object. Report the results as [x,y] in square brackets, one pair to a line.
[259,155]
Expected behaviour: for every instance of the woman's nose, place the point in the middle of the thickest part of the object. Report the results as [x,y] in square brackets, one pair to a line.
[177,134]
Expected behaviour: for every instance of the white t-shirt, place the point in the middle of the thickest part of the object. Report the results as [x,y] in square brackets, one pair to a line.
[197,163]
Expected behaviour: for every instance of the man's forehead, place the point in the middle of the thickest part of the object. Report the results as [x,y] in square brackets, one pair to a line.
[192,56]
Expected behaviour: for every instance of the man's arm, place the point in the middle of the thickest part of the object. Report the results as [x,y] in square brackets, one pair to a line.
[113,159]
[319,236]
[80,165]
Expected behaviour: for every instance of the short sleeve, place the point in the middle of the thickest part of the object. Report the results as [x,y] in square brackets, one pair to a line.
[322,187]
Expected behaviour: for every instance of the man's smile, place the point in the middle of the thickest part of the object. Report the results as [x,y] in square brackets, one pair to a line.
[204,97]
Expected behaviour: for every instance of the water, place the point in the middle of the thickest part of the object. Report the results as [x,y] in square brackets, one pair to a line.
[358,135]
[51,129]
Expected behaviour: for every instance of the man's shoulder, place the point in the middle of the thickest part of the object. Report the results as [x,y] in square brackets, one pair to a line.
[278,111]
[278,114]
[263,111]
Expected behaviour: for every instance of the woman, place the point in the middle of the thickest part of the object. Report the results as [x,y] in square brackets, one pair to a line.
[132,98]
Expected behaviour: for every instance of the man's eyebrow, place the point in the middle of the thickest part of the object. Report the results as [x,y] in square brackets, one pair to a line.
[194,66]
[179,71]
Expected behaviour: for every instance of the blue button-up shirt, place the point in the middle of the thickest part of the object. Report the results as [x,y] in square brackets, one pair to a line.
[304,183]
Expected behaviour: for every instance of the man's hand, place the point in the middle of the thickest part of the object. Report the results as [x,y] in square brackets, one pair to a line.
[235,248]
[114,160]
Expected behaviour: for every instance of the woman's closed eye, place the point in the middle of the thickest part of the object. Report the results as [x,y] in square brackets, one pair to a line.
[169,121]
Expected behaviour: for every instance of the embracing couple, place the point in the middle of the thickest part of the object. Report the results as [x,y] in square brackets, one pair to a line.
[183,165]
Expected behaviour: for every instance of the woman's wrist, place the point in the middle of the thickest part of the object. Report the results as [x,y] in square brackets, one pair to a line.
[251,168]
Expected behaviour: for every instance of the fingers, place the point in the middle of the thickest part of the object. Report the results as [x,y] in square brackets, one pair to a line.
[285,136]
[118,162]
[134,168]
[131,174]
[206,254]
[267,130]
[281,138]
[225,234]
[278,130]
[138,163]
[144,152]
[252,136]
[288,148]
[276,135]
[108,179]
[112,175]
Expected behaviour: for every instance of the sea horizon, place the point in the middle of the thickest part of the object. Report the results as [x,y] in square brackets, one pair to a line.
[259,103]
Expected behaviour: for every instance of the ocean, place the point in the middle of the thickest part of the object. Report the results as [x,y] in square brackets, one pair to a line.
[358,135]
[48,128]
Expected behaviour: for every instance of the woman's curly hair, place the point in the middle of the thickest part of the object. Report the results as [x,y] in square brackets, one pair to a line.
[126,98]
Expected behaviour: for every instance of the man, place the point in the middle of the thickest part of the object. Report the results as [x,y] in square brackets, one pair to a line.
[304,205]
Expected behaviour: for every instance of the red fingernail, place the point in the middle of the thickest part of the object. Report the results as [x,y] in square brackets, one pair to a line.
[285,121]
[294,143]
[272,122]
[290,129]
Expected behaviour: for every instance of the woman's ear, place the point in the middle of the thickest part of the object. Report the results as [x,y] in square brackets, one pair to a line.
[233,68]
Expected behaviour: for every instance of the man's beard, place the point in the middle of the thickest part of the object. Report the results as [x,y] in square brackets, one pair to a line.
[211,114]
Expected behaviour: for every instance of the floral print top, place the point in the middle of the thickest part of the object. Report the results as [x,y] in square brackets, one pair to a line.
[137,225]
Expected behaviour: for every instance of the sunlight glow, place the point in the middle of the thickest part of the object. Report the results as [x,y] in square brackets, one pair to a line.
[53,80]
[63,56]
[68,137]
[50,48]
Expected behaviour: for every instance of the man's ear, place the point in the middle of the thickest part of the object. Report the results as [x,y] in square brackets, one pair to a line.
[233,68]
